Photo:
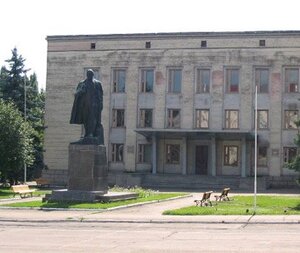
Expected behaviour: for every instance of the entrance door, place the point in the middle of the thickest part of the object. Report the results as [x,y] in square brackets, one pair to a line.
[201,160]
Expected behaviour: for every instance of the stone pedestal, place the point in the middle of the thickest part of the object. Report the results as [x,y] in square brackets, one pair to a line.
[87,168]
[87,175]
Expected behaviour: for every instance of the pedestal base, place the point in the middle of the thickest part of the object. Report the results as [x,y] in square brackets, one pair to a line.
[87,175]
[73,195]
[88,196]
[87,168]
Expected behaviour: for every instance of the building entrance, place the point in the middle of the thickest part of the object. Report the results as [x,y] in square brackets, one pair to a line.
[201,160]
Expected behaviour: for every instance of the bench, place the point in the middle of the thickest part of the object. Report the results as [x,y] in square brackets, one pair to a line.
[23,190]
[42,182]
[223,196]
[205,199]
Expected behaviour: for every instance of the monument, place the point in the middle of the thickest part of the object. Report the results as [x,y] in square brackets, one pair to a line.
[87,167]
[87,156]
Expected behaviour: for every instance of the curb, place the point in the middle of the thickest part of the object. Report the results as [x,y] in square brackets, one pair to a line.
[96,210]
[153,221]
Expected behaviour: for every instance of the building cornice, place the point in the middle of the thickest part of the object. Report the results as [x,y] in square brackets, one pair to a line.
[177,35]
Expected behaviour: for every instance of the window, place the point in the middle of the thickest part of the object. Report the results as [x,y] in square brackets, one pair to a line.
[232,80]
[118,118]
[231,157]
[119,79]
[231,119]
[290,116]
[202,118]
[117,151]
[262,156]
[262,80]
[147,80]
[262,119]
[145,118]
[175,78]
[173,153]
[93,45]
[148,44]
[203,43]
[144,153]
[173,118]
[291,80]
[262,43]
[203,80]
[289,153]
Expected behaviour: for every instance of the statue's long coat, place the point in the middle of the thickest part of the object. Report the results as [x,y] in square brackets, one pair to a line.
[81,103]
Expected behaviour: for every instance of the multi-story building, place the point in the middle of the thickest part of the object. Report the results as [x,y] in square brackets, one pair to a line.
[180,104]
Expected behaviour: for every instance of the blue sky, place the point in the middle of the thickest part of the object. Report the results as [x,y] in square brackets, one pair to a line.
[26,23]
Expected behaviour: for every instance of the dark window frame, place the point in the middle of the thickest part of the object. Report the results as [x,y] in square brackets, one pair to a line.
[229,119]
[172,74]
[172,121]
[118,118]
[117,79]
[148,44]
[173,154]
[200,85]
[227,154]
[142,157]
[198,118]
[259,119]
[262,43]
[289,123]
[231,87]
[145,87]
[258,80]
[143,123]
[117,152]
[262,156]
[289,153]
[291,86]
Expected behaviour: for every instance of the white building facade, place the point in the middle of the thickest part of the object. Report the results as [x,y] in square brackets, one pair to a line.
[180,105]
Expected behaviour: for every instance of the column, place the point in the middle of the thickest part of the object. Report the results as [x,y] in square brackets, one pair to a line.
[154,160]
[184,155]
[213,156]
[244,153]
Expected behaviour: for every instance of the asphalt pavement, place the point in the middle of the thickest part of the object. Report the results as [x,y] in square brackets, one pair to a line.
[143,228]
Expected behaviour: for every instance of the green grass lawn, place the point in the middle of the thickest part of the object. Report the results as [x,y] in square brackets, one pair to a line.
[6,192]
[141,199]
[243,205]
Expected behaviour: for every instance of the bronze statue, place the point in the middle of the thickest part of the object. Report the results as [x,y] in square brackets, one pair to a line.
[87,108]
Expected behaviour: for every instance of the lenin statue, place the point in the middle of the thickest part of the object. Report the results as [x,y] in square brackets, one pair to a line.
[87,108]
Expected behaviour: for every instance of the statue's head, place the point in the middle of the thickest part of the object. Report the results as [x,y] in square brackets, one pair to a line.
[90,74]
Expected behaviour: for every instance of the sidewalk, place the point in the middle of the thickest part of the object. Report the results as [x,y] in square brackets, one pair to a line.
[147,213]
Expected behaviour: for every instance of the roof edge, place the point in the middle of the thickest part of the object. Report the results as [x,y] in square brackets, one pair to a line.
[175,35]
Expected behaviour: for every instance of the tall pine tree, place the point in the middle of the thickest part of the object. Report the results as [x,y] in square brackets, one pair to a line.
[13,81]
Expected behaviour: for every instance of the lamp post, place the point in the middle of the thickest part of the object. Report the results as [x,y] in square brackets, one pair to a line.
[25,116]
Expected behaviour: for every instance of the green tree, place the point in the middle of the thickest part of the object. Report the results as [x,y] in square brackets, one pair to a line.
[13,81]
[295,163]
[16,143]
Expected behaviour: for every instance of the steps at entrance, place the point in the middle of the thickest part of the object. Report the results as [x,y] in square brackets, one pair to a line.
[189,182]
